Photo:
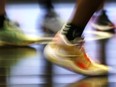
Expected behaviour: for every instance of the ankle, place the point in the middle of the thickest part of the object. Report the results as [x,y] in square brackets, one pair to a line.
[72,31]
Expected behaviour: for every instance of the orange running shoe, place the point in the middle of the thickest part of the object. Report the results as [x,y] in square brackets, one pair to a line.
[72,56]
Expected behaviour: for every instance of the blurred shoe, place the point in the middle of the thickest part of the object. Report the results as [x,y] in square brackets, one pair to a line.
[91,82]
[51,23]
[103,26]
[72,56]
[10,34]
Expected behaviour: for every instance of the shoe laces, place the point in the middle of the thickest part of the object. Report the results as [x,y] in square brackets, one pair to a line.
[79,46]
[13,25]
[10,23]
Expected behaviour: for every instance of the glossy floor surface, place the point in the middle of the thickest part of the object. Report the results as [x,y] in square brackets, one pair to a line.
[27,67]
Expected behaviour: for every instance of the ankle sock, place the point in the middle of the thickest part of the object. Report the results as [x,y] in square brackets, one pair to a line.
[72,31]
[2,18]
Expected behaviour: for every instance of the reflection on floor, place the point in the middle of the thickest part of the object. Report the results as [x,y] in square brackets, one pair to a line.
[27,67]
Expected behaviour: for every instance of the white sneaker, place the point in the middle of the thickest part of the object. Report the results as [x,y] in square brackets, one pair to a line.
[10,34]
[72,57]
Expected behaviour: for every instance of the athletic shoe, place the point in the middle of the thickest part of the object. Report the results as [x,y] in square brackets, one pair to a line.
[51,23]
[10,34]
[72,56]
[103,26]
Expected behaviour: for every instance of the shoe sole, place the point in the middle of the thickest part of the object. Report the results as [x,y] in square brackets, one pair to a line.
[98,35]
[68,64]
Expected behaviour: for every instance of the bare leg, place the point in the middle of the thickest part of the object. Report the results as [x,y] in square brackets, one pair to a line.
[84,10]
[2,6]
[101,6]
[46,4]
[2,12]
